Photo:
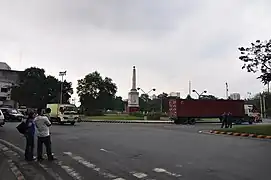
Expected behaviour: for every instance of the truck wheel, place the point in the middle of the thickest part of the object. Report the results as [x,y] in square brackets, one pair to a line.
[72,123]
[192,121]
[177,121]
[238,121]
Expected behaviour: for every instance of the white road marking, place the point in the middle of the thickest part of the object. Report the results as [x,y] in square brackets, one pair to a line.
[119,179]
[107,151]
[69,170]
[139,175]
[91,166]
[179,165]
[161,170]
[48,170]
[104,150]
[51,172]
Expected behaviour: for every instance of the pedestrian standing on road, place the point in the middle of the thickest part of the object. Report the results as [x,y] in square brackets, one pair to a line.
[29,135]
[224,120]
[229,119]
[47,113]
[43,132]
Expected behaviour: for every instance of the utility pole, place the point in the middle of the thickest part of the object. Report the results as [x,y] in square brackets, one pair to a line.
[189,87]
[261,105]
[199,95]
[62,74]
[161,102]
[227,90]
[264,108]
[268,87]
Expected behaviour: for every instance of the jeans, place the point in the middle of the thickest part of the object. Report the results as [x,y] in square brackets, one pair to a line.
[224,123]
[47,142]
[29,147]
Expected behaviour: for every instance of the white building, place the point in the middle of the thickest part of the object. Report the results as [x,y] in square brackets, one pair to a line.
[153,96]
[175,94]
[8,78]
[235,96]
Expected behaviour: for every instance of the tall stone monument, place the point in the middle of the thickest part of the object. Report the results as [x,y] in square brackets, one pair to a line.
[133,95]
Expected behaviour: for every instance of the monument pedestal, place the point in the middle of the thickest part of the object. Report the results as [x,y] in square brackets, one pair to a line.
[133,109]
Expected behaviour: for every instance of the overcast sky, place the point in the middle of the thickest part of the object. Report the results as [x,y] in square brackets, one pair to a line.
[169,41]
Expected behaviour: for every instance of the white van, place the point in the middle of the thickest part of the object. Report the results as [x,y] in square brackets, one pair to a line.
[2,118]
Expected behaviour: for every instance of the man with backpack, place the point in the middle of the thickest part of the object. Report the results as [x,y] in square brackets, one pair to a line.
[29,135]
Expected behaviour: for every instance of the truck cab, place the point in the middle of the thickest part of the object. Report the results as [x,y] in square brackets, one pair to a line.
[63,113]
[251,113]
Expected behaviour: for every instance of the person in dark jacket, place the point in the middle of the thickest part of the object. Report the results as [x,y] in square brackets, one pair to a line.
[229,119]
[224,120]
[29,135]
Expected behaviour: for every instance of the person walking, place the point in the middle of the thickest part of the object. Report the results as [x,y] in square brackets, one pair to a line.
[29,135]
[43,132]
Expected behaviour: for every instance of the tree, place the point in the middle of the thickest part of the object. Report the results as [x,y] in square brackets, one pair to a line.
[188,97]
[37,90]
[96,92]
[165,101]
[54,87]
[118,104]
[258,57]
[144,100]
[208,97]
[31,91]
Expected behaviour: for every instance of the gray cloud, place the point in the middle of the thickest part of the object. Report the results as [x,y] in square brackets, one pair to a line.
[170,42]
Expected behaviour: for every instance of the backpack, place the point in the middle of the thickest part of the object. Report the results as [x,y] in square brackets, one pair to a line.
[22,127]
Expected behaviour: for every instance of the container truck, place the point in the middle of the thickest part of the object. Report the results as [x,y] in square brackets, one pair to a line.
[186,110]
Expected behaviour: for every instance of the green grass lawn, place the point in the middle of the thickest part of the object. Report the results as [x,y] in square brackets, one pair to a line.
[253,129]
[112,117]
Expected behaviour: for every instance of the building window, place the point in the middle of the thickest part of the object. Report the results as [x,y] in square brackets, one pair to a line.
[4,90]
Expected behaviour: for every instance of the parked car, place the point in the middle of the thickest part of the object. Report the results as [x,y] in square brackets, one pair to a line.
[12,114]
[2,119]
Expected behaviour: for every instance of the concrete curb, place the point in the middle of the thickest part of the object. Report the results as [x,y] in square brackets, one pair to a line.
[240,134]
[143,121]
[130,121]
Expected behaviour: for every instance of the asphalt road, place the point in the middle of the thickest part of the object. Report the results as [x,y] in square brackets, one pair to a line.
[142,151]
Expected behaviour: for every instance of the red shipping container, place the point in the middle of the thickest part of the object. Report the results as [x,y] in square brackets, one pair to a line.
[205,108]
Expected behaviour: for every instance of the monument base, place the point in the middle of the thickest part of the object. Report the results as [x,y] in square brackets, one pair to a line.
[133,109]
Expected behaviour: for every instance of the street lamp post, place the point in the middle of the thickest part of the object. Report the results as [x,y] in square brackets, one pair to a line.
[153,89]
[62,74]
[204,92]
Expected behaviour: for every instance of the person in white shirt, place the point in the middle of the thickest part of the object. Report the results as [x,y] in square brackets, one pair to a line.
[42,124]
